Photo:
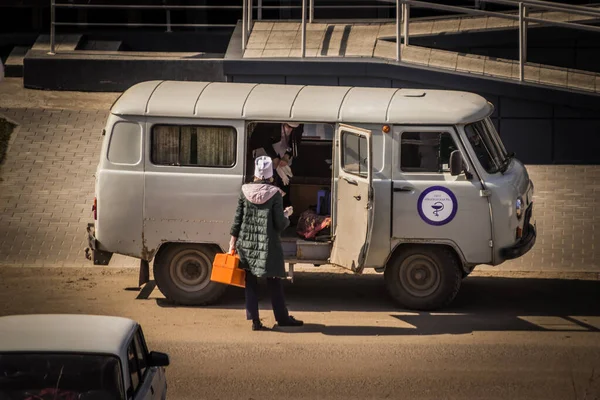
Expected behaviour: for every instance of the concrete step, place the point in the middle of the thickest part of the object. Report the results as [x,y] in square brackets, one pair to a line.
[101,45]
[62,42]
[14,62]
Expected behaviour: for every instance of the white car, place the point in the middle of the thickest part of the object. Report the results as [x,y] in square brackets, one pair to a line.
[78,357]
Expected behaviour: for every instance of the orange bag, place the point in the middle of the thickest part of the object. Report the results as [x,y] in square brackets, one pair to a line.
[226,270]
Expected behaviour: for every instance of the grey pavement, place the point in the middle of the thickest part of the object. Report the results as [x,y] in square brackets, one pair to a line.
[47,189]
[46,182]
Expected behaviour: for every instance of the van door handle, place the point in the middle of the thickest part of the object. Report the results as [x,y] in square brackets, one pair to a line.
[358,197]
[404,189]
[350,181]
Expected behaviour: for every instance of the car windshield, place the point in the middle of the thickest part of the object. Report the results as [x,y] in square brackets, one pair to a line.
[64,376]
[488,146]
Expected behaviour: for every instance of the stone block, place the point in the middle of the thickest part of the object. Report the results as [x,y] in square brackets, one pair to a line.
[470,63]
[553,76]
[419,28]
[472,24]
[275,53]
[286,26]
[416,54]
[581,81]
[498,68]
[445,26]
[443,59]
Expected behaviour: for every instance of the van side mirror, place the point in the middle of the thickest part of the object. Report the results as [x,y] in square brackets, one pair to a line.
[456,163]
[156,359]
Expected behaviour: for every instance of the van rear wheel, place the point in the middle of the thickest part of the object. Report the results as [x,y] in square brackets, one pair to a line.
[182,273]
[423,278]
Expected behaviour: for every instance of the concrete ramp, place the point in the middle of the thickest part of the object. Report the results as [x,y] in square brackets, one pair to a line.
[372,40]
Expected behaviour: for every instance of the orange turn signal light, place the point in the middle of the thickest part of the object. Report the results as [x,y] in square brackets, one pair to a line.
[386,129]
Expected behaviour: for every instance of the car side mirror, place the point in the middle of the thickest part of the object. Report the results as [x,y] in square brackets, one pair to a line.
[157,359]
[456,163]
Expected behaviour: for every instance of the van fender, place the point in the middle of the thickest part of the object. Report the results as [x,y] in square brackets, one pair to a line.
[164,245]
[399,244]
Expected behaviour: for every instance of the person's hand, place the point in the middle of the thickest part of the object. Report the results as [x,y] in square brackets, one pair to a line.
[282,163]
[232,243]
[288,211]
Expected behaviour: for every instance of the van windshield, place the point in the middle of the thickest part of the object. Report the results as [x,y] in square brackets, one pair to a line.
[488,146]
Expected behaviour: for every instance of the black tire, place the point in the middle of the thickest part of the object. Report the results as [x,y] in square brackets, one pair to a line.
[182,274]
[423,278]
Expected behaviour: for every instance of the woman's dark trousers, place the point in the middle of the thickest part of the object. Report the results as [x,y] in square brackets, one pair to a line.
[277,298]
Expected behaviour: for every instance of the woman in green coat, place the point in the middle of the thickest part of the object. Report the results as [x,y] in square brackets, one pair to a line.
[259,221]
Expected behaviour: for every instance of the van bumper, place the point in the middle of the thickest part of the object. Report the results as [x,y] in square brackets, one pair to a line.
[99,257]
[522,246]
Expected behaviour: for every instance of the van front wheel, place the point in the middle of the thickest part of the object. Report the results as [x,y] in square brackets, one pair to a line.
[423,278]
[182,273]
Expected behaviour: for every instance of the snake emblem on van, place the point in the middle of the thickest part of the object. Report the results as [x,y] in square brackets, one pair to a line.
[437,205]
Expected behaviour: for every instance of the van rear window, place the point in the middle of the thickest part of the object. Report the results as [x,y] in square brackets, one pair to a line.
[193,146]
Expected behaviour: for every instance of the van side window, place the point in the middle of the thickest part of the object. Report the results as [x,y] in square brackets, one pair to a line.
[193,146]
[354,154]
[426,151]
[125,143]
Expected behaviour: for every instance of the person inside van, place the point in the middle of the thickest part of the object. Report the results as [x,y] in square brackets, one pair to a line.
[255,235]
[280,142]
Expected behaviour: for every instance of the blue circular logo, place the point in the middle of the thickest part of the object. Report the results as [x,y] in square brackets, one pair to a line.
[437,205]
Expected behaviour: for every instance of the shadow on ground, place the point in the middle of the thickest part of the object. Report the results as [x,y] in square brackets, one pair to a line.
[483,304]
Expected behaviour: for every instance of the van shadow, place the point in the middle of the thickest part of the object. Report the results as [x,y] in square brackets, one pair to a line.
[483,304]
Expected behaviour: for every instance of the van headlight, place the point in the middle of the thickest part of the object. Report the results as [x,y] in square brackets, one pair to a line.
[519,208]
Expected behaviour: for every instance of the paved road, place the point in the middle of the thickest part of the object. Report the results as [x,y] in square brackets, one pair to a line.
[503,338]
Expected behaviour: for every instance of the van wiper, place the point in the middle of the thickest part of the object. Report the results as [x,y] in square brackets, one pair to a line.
[506,161]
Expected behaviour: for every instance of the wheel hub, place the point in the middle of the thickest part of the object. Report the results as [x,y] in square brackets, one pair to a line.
[420,275]
[190,271]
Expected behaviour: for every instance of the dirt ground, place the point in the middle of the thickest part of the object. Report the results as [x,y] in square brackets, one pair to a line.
[503,337]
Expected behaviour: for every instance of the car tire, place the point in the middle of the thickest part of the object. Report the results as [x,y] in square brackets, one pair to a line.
[182,273]
[423,278]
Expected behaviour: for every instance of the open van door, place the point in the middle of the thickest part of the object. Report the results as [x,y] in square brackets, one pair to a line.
[353,216]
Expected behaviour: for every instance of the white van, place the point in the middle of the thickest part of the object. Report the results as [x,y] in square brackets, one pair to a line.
[421,185]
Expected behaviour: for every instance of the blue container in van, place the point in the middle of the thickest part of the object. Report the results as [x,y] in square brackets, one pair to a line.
[324,202]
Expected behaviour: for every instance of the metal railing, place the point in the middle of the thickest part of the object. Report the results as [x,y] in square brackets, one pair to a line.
[308,7]
[403,16]
[523,19]
[244,7]
[167,8]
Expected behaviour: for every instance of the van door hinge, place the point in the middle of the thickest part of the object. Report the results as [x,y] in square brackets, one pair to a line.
[485,193]
[491,243]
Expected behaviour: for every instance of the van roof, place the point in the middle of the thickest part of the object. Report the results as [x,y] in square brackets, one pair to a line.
[267,102]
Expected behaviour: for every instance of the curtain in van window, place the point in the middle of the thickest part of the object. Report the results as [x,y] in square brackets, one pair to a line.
[209,146]
[186,156]
[165,145]
[216,146]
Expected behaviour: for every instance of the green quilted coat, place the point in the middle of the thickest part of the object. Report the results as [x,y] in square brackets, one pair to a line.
[258,223]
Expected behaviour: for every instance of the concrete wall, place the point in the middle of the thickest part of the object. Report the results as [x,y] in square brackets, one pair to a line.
[559,143]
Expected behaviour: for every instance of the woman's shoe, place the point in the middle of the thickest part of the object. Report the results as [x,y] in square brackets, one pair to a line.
[291,321]
[257,325]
